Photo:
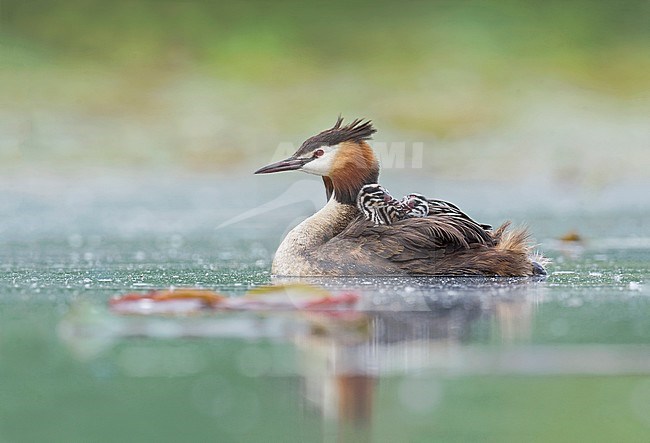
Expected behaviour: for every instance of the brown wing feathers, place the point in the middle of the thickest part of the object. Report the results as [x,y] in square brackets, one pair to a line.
[414,238]
[442,244]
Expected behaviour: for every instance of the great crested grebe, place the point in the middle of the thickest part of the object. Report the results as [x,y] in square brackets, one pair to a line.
[339,241]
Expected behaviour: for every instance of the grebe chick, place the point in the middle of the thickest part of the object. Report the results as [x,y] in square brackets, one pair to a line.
[378,206]
[338,240]
[415,205]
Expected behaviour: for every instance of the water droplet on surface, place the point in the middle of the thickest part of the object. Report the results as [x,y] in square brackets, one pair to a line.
[634,286]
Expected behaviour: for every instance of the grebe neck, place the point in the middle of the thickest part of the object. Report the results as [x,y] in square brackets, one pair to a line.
[303,241]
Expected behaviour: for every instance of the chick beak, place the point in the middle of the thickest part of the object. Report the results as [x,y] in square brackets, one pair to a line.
[290,164]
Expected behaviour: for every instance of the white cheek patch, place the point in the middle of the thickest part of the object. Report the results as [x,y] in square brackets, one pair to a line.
[323,164]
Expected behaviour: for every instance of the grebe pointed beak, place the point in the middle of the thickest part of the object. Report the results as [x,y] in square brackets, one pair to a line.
[290,164]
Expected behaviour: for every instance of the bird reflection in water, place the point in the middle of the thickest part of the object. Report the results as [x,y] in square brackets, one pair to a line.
[404,328]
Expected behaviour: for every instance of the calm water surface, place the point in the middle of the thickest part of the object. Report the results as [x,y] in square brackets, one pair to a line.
[565,358]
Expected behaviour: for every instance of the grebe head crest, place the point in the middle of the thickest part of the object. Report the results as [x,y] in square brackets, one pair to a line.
[340,155]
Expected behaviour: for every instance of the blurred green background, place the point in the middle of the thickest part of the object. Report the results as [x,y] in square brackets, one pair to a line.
[494,90]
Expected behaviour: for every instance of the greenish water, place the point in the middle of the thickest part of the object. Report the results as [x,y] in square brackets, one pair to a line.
[561,359]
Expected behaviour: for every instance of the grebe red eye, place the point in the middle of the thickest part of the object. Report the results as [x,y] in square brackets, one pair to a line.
[318,152]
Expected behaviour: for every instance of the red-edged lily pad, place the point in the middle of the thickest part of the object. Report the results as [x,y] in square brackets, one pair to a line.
[289,297]
[166,301]
[295,296]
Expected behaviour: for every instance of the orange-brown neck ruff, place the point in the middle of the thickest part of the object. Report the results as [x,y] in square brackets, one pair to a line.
[354,167]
